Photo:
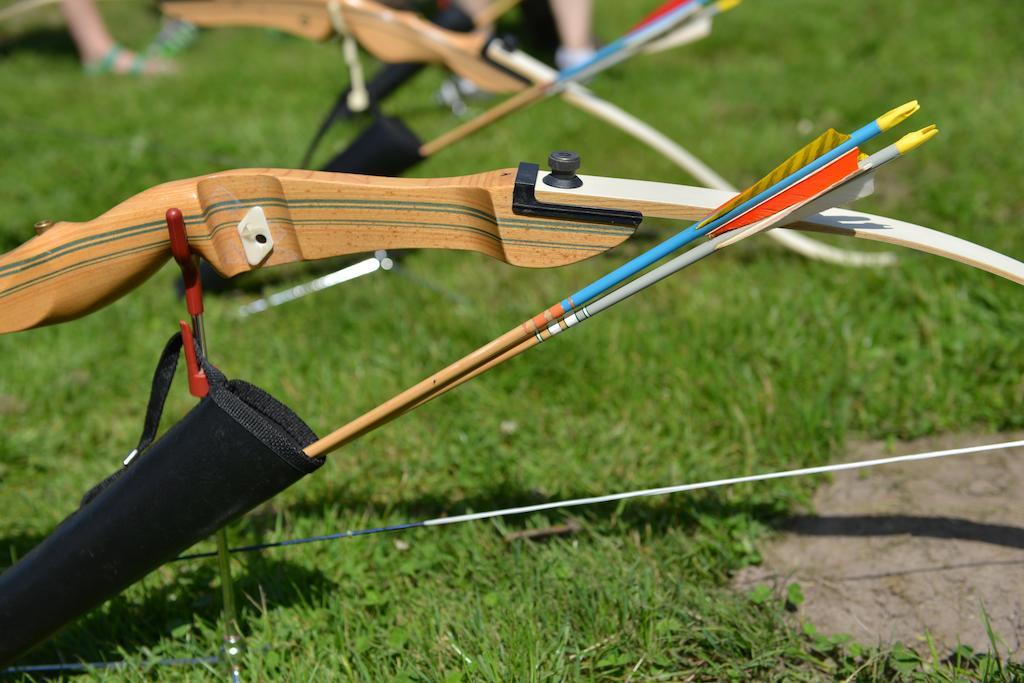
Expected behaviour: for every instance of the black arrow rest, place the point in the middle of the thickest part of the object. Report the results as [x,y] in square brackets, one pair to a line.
[236,449]
[525,203]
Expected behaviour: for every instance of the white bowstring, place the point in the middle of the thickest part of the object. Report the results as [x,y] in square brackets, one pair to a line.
[593,500]
[681,488]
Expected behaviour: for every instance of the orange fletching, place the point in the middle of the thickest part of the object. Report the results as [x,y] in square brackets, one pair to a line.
[802,191]
[660,12]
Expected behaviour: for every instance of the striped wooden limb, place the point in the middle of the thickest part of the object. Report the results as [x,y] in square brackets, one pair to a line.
[388,34]
[303,18]
[396,36]
[518,101]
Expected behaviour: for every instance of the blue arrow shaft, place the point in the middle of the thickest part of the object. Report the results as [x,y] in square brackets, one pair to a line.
[624,42]
[681,239]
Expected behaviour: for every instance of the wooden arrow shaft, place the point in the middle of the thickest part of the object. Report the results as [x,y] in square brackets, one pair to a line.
[418,393]
[518,101]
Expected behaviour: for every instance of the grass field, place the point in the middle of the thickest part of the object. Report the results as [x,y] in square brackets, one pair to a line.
[752,361]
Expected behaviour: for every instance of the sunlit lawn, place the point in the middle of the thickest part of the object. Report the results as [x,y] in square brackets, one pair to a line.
[754,360]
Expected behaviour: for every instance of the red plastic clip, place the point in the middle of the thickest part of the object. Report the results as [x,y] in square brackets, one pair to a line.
[186,261]
[198,385]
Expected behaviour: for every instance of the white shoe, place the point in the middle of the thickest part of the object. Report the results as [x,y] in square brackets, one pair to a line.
[568,58]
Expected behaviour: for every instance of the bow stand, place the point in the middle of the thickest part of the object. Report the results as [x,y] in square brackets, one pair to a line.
[199,387]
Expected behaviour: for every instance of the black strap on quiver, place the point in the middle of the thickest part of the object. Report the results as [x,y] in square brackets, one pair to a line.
[236,449]
[389,79]
[386,148]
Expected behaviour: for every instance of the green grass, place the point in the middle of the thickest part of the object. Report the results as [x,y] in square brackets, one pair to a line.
[751,361]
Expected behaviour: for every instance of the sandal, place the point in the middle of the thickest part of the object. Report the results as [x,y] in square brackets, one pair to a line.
[104,64]
[175,37]
[140,64]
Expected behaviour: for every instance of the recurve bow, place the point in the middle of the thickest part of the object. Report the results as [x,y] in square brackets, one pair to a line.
[253,218]
[401,36]
[310,215]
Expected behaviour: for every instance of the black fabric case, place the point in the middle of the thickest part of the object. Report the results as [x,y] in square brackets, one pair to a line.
[387,80]
[386,148]
[236,449]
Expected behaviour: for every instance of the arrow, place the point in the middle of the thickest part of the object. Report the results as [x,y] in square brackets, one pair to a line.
[821,186]
[805,175]
[604,58]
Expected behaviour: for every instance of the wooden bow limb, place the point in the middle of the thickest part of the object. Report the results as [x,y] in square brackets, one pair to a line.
[71,269]
[665,201]
[389,35]
[397,36]
[303,18]
[460,52]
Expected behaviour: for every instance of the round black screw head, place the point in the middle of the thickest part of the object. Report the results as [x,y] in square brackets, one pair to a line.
[563,165]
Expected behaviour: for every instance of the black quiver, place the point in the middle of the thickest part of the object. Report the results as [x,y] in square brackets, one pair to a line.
[390,78]
[387,147]
[236,449]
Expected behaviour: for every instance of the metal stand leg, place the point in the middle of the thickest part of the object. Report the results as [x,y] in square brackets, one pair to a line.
[234,646]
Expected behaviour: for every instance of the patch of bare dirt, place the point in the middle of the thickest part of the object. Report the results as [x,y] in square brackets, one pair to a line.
[898,551]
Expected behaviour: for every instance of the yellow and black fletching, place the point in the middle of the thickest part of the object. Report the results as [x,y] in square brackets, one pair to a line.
[823,144]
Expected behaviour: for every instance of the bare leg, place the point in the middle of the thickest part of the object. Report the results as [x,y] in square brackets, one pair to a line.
[87,29]
[574,19]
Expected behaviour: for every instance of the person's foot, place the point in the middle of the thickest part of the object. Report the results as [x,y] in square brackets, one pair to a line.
[117,60]
[175,37]
[456,92]
[569,58]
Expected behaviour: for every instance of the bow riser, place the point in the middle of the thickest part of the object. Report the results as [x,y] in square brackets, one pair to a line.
[396,36]
[391,36]
[75,268]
